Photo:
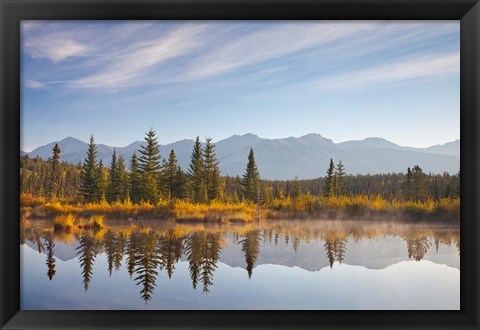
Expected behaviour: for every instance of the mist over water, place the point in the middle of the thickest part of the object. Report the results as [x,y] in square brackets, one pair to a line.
[291,264]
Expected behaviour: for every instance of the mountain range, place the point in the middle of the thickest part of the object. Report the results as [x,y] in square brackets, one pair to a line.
[305,157]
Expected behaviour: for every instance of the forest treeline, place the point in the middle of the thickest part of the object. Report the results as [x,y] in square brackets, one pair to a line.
[149,178]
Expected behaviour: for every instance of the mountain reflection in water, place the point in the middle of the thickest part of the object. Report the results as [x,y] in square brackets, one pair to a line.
[149,254]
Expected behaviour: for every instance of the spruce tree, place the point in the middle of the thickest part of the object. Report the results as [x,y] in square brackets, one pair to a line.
[89,181]
[251,179]
[113,190]
[330,187]
[103,178]
[196,185]
[340,179]
[135,180]
[211,172]
[55,172]
[123,179]
[170,176]
[150,167]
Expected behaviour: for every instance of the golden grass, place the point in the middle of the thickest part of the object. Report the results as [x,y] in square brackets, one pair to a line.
[92,222]
[64,222]
[92,215]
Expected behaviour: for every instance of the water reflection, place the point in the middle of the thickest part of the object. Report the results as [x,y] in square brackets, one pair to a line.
[147,252]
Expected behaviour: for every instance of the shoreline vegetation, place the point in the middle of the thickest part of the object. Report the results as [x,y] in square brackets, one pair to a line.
[153,187]
[305,207]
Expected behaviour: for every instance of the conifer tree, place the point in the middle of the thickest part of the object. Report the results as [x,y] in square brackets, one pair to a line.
[251,179]
[196,185]
[211,172]
[409,185]
[113,190]
[296,189]
[123,179]
[150,167]
[419,179]
[135,180]
[340,179]
[330,187]
[103,177]
[55,172]
[170,176]
[90,188]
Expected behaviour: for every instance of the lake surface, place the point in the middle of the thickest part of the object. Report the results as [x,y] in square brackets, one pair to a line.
[321,264]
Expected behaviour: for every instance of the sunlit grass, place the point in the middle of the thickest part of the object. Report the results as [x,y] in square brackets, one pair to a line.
[92,215]
[64,222]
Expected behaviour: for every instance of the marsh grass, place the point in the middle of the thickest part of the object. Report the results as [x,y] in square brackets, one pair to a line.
[92,215]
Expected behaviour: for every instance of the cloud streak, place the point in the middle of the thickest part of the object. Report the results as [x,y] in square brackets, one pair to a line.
[424,67]
[127,70]
[33,84]
[269,43]
[55,49]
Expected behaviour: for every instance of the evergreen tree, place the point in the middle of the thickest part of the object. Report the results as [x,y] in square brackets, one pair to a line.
[150,167]
[55,172]
[90,188]
[123,179]
[113,190]
[196,185]
[330,192]
[171,177]
[340,179]
[296,189]
[103,175]
[419,180]
[211,172]
[251,179]
[409,185]
[135,180]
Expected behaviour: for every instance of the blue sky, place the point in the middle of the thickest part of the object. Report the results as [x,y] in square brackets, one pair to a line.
[345,80]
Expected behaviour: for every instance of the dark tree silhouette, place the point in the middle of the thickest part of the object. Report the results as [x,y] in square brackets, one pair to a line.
[87,252]
[250,243]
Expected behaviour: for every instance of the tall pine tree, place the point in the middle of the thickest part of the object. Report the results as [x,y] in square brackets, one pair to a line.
[135,180]
[330,187]
[251,179]
[55,175]
[340,179]
[195,182]
[171,178]
[211,172]
[113,190]
[89,181]
[150,167]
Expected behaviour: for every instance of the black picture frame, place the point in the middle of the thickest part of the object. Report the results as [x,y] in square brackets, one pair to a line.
[13,11]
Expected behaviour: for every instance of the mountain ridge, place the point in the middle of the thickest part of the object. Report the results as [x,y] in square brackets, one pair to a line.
[306,156]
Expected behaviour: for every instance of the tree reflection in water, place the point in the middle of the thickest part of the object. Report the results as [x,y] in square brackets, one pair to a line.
[250,243]
[50,246]
[145,252]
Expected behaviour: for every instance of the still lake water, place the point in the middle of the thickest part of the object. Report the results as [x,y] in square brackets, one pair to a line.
[290,264]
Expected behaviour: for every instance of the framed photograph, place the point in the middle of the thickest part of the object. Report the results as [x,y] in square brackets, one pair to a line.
[240,164]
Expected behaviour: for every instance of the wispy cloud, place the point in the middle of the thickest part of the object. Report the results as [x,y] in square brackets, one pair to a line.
[269,43]
[54,49]
[127,69]
[130,54]
[33,84]
[424,67]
